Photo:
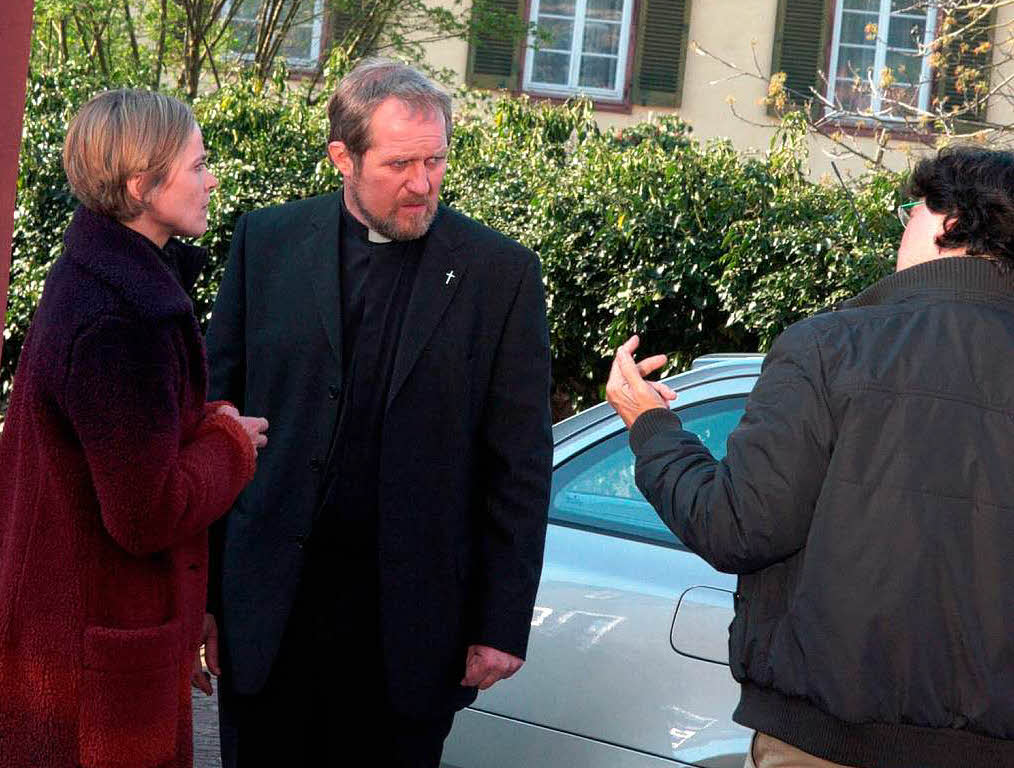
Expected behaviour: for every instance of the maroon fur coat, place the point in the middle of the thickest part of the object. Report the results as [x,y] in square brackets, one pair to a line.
[112,467]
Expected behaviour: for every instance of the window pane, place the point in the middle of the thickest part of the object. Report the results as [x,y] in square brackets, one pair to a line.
[905,67]
[854,61]
[897,95]
[601,37]
[552,68]
[862,5]
[906,32]
[555,33]
[914,7]
[852,99]
[853,28]
[298,43]
[596,488]
[244,36]
[247,9]
[597,72]
[307,13]
[557,7]
[610,10]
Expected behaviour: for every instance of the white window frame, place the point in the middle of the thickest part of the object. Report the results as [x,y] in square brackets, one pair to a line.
[315,38]
[576,45]
[880,57]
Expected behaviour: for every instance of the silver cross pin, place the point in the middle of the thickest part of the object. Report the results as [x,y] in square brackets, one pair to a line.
[450,276]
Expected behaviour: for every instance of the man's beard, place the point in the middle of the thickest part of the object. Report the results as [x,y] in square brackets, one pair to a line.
[388,225]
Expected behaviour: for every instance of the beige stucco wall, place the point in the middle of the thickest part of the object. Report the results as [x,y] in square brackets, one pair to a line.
[1001,106]
[742,33]
[449,54]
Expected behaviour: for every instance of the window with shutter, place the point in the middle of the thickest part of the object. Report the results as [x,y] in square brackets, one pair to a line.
[301,47]
[580,47]
[493,60]
[964,80]
[874,52]
[340,22]
[662,52]
[800,50]
[585,46]
[879,60]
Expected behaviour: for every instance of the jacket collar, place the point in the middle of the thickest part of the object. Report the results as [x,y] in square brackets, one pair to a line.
[442,267]
[132,265]
[956,276]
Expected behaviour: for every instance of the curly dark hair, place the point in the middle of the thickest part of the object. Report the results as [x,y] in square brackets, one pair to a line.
[974,188]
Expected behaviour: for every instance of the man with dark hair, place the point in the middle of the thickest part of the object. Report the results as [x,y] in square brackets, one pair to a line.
[865,500]
[383,565]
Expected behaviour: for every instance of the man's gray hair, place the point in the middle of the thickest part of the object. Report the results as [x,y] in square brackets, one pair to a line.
[373,81]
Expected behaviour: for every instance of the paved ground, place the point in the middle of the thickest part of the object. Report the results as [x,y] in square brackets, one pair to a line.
[206,753]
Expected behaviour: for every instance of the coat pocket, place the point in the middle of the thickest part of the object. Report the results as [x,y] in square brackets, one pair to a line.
[130,696]
[738,661]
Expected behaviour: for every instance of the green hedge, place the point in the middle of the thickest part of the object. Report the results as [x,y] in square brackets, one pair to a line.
[690,244]
[645,229]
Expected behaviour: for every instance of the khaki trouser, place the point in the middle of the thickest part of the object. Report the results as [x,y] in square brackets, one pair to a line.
[768,752]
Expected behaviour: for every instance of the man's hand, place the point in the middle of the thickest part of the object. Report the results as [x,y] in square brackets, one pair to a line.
[485,666]
[627,391]
[209,640]
[254,426]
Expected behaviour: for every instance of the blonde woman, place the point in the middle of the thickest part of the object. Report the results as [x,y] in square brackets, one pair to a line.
[113,464]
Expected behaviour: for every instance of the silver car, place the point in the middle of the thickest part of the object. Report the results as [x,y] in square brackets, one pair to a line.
[628,659]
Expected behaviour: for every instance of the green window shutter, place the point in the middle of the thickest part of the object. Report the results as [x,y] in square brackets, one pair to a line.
[663,28]
[341,22]
[802,32]
[494,62]
[956,84]
[341,16]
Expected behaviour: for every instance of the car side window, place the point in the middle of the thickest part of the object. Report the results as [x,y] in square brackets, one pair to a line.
[595,488]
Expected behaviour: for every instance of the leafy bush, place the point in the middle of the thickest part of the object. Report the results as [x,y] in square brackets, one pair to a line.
[644,229]
[44,202]
[267,147]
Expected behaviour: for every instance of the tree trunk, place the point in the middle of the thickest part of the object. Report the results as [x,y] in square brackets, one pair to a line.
[163,23]
[192,66]
[133,37]
[62,32]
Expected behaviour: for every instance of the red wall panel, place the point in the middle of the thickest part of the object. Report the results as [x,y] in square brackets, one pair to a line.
[15,42]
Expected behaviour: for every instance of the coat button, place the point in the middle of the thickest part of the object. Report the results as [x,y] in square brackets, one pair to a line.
[300,540]
[315,464]
[332,392]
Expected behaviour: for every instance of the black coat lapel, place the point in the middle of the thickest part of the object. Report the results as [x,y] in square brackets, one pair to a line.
[442,268]
[319,249]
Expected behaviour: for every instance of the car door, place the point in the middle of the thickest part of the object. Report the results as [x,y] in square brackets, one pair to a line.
[627,662]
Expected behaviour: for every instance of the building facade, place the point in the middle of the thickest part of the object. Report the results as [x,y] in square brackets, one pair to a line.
[710,62]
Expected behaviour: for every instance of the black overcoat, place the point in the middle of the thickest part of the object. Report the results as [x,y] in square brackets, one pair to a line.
[465,446]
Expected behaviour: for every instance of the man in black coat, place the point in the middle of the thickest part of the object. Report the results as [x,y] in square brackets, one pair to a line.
[865,499]
[383,565]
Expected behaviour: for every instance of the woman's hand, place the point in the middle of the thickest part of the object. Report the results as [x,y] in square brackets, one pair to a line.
[209,640]
[254,426]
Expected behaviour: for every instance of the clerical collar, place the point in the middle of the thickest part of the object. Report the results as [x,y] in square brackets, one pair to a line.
[357,229]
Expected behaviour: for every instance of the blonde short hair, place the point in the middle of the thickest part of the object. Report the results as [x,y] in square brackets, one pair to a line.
[117,135]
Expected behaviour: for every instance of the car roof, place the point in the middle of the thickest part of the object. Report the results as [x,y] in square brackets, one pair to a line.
[703,370]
